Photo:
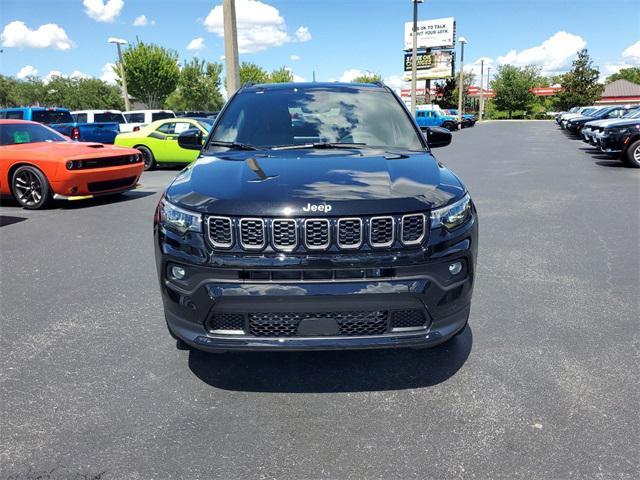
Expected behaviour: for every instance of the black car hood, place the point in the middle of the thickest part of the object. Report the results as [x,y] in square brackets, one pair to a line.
[292,182]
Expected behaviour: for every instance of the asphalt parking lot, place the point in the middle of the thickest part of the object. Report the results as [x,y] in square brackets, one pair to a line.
[544,385]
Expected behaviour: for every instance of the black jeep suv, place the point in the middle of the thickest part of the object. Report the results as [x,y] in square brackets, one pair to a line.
[315,218]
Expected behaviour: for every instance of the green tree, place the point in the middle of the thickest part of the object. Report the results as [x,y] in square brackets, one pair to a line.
[281,75]
[580,84]
[198,87]
[151,71]
[250,72]
[512,87]
[367,77]
[82,94]
[631,74]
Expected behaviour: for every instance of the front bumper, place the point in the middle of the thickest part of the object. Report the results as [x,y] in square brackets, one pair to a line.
[80,184]
[391,282]
[611,143]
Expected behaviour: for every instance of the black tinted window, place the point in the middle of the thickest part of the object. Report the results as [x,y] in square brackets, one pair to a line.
[80,117]
[292,116]
[51,116]
[134,117]
[15,115]
[167,128]
[13,134]
[109,117]
[161,115]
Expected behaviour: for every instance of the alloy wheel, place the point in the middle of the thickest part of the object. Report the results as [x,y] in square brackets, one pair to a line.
[28,188]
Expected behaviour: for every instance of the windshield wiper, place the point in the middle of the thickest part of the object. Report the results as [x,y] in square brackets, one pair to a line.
[233,145]
[319,145]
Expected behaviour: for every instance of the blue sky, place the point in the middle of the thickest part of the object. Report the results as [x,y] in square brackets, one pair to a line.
[334,38]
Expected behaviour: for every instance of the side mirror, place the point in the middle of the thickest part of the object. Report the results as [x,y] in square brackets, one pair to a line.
[191,139]
[438,137]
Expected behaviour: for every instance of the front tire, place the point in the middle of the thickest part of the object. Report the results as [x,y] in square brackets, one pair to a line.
[449,126]
[631,157]
[30,188]
[149,159]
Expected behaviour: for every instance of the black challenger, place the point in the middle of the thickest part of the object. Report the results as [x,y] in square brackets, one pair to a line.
[315,218]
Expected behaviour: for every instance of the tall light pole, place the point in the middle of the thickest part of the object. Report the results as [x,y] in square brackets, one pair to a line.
[414,58]
[119,42]
[481,88]
[462,41]
[231,46]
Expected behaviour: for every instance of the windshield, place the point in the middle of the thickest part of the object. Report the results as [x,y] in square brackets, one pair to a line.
[16,133]
[51,116]
[632,114]
[109,117]
[299,116]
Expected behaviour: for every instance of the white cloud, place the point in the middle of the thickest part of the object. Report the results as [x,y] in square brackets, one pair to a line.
[27,71]
[303,34]
[196,44]
[51,75]
[260,26]
[102,11]
[50,35]
[76,74]
[107,74]
[295,58]
[298,78]
[554,55]
[353,73]
[396,82]
[476,67]
[142,21]
[633,53]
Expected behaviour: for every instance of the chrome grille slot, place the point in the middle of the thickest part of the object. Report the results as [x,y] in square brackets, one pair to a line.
[349,233]
[220,231]
[317,234]
[381,231]
[252,236]
[284,234]
[413,228]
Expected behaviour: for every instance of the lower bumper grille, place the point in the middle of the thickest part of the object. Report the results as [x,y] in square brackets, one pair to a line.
[111,184]
[309,324]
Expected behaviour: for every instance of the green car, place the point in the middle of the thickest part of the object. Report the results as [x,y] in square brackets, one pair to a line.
[158,141]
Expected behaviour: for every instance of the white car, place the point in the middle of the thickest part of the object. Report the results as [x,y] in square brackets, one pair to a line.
[98,116]
[140,118]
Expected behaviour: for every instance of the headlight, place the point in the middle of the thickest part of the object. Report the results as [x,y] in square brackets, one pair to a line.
[452,216]
[616,131]
[178,219]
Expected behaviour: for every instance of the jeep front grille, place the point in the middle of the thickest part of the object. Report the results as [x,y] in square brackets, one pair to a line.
[349,233]
[317,234]
[252,235]
[284,234]
[413,228]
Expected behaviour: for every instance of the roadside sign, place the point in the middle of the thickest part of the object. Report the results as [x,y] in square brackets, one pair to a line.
[437,33]
[430,66]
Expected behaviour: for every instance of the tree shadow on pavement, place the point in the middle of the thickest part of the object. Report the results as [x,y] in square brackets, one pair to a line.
[332,371]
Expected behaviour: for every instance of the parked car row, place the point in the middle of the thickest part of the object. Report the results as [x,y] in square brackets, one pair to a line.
[434,116]
[614,130]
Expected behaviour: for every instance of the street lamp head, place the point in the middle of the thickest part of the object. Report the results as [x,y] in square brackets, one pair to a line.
[462,40]
[118,41]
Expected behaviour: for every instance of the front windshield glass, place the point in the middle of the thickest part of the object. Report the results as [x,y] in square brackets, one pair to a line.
[205,123]
[299,116]
[16,133]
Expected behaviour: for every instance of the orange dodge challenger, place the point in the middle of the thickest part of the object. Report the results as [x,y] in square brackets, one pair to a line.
[37,164]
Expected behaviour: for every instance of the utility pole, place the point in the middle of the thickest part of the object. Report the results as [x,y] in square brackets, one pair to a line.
[125,94]
[461,84]
[414,59]
[481,88]
[231,46]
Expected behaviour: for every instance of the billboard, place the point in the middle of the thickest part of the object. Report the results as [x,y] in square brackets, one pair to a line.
[430,66]
[438,33]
